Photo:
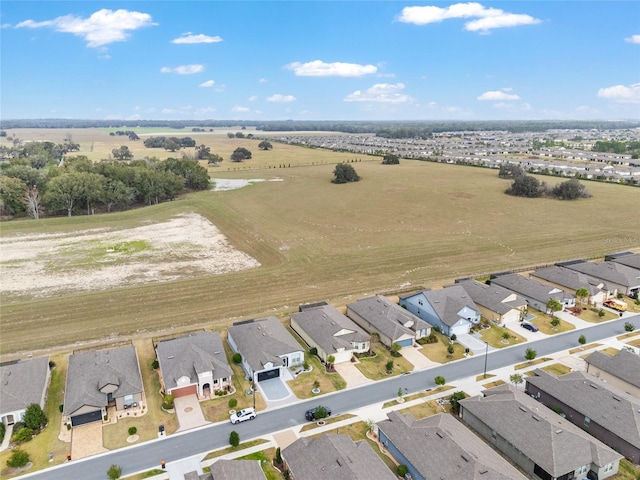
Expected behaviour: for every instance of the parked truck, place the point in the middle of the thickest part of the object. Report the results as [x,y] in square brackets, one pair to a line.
[618,305]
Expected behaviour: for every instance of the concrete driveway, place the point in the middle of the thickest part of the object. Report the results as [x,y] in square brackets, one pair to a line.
[416,358]
[351,374]
[189,412]
[86,440]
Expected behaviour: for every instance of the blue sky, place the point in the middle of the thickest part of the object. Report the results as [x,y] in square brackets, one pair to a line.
[328,60]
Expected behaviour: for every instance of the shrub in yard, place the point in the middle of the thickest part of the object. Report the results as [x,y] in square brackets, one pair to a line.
[601,313]
[3,430]
[450,349]
[34,417]
[237,358]
[167,403]
[22,435]
[389,366]
[155,364]
[453,337]
[61,407]
[233,403]
[402,470]
[132,430]
[19,458]
[454,400]
[313,351]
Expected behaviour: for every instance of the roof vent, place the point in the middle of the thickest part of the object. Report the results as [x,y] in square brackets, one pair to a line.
[559,430]
[483,471]
[593,386]
[216,353]
[523,409]
[439,434]
[170,357]
[616,398]
[535,418]
[464,458]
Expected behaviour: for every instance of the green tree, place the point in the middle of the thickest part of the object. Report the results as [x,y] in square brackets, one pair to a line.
[64,192]
[11,195]
[570,190]
[516,379]
[389,366]
[237,358]
[320,413]
[264,145]
[628,327]
[330,361]
[395,349]
[171,145]
[582,340]
[114,472]
[344,173]
[450,349]
[214,159]
[439,380]
[506,335]
[122,153]
[454,400]
[239,135]
[553,306]
[234,439]
[240,154]
[555,322]
[203,152]
[525,186]
[402,470]
[116,193]
[581,294]
[530,354]
[390,159]
[34,417]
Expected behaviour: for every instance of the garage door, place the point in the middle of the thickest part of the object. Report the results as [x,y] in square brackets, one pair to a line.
[269,374]
[86,418]
[407,342]
[183,392]
[460,329]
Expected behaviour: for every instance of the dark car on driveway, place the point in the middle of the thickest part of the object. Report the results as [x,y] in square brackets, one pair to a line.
[312,414]
[529,326]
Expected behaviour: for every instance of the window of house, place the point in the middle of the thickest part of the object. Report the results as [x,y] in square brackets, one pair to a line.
[493,434]
[215,381]
[419,302]
[587,421]
[128,400]
[583,469]
[608,467]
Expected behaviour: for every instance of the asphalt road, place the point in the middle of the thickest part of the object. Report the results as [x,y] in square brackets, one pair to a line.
[212,437]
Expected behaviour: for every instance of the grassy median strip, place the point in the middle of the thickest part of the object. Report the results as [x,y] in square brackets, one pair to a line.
[242,446]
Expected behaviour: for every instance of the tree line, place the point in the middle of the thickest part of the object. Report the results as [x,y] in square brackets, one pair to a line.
[75,184]
[528,186]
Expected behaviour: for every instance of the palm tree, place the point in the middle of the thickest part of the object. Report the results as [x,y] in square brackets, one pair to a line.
[582,293]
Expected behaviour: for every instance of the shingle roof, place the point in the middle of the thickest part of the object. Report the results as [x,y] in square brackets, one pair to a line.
[88,370]
[568,278]
[323,323]
[187,356]
[493,297]
[631,260]
[235,469]
[609,272]
[528,287]
[263,341]
[606,405]
[23,383]
[334,457]
[390,319]
[441,447]
[624,365]
[448,302]
[539,433]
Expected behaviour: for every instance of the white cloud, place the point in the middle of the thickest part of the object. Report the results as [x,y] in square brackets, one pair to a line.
[262,80]
[380,93]
[633,39]
[318,68]
[621,93]
[189,38]
[183,69]
[207,84]
[240,109]
[486,18]
[281,98]
[101,28]
[498,95]
[253,98]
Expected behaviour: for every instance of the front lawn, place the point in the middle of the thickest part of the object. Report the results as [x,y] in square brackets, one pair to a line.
[610,351]
[304,382]
[374,368]
[427,409]
[327,421]
[494,384]
[557,369]
[543,322]
[437,352]
[494,336]
[265,457]
[590,314]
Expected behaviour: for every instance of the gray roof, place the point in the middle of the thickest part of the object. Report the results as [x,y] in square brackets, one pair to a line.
[448,302]
[235,469]
[630,260]
[570,279]
[89,371]
[334,457]
[624,365]
[389,318]
[493,297]
[555,444]
[608,271]
[604,404]
[531,288]
[23,383]
[263,341]
[441,447]
[187,356]
[323,323]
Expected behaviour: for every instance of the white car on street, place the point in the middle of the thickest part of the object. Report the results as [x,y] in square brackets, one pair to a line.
[242,415]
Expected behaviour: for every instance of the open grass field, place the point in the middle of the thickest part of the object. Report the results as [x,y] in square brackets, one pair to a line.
[416,223]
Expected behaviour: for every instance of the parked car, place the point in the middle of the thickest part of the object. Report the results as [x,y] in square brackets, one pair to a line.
[242,415]
[312,414]
[529,326]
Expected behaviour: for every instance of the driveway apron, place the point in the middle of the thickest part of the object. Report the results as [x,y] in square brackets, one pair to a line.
[189,412]
[86,440]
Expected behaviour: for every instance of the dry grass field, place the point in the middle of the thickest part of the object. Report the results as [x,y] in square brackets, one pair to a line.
[413,224]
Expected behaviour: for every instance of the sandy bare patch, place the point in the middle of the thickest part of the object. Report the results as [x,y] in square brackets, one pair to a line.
[183,247]
[224,184]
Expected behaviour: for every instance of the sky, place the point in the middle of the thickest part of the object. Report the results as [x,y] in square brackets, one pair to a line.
[320,60]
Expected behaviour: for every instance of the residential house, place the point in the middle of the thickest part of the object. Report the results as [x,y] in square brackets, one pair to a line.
[621,370]
[230,470]
[618,278]
[451,309]
[606,412]
[537,294]
[98,379]
[333,457]
[625,258]
[495,303]
[535,438]
[23,382]
[440,447]
[267,348]
[572,280]
[194,364]
[330,333]
[391,322]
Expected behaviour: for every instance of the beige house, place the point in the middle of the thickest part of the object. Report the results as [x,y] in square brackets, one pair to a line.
[621,370]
